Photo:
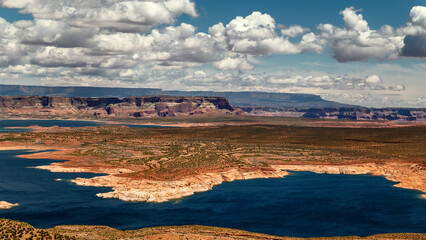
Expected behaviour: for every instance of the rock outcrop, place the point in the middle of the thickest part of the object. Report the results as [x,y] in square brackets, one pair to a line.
[349,113]
[145,106]
[298,100]
[6,205]
[161,191]
[410,176]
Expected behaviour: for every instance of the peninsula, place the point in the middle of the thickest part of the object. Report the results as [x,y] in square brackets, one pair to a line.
[160,164]
[145,106]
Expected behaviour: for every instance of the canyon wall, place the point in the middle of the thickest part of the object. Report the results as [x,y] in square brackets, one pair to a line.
[145,106]
[172,106]
[296,100]
[357,113]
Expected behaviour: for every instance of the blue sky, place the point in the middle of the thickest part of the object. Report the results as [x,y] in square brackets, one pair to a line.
[306,13]
[361,52]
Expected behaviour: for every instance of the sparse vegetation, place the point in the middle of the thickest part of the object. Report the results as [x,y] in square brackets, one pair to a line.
[169,153]
[18,230]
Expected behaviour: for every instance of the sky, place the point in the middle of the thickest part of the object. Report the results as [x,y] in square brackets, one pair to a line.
[369,53]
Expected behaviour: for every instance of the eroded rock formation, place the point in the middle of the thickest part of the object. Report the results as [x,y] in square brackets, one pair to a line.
[6,205]
[145,106]
[162,191]
[349,113]
[410,176]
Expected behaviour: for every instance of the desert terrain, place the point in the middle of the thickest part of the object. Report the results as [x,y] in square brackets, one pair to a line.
[18,230]
[161,164]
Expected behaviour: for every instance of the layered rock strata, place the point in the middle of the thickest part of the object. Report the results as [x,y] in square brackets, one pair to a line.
[349,113]
[145,106]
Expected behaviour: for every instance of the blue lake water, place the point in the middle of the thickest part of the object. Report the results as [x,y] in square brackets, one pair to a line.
[302,204]
[4,123]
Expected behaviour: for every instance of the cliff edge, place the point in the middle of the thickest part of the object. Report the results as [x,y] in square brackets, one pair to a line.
[144,106]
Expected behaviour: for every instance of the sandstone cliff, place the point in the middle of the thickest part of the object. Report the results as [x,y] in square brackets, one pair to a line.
[145,106]
[236,98]
[351,113]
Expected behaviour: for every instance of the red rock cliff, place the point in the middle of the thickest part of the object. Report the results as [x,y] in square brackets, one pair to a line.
[145,106]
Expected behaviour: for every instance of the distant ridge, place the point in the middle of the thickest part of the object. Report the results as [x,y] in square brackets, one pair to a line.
[265,99]
[153,102]
[21,90]
[111,107]
[292,100]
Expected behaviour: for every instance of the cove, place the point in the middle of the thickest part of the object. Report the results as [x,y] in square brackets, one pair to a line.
[302,204]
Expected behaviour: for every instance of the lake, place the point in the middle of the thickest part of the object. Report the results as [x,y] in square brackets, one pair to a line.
[4,123]
[302,204]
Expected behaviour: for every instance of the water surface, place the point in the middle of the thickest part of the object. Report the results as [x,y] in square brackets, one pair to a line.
[4,123]
[302,204]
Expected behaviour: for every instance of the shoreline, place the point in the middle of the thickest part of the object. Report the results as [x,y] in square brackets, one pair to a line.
[126,189]
[312,122]
[405,175]
[106,122]
[143,190]
[122,123]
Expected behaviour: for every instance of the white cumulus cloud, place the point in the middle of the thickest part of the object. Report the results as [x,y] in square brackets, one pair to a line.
[356,41]
[256,34]
[141,41]
[240,64]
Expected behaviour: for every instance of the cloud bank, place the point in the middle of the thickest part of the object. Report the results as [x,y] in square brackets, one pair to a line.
[126,34]
[126,42]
